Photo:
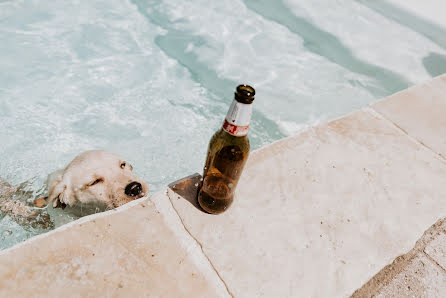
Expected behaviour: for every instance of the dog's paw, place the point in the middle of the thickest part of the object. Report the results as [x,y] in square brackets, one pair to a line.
[59,204]
[40,203]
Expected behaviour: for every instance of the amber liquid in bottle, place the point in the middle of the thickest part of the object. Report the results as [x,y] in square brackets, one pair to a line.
[227,154]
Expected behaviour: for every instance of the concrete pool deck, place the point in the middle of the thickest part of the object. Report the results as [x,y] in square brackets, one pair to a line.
[317,214]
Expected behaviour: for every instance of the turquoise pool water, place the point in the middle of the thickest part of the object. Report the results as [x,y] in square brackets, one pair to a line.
[152,80]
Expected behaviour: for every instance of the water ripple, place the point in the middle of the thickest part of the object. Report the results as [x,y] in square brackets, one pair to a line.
[329,46]
[175,43]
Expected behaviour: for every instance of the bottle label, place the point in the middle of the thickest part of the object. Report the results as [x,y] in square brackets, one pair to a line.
[237,120]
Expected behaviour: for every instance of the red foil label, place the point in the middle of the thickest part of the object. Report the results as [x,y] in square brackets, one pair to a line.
[238,118]
[235,130]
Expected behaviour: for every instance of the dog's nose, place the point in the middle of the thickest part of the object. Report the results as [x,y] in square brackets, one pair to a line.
[133,189]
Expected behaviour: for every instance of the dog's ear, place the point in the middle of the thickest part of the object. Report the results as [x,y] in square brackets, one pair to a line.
[60,193]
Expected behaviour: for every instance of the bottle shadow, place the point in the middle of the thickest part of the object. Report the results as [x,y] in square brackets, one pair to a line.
[187,188]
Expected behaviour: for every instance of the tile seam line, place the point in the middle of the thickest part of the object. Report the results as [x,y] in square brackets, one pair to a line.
[372,111]
[199,244]
[434,261]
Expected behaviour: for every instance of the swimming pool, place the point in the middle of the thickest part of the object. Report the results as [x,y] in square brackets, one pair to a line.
[152,80]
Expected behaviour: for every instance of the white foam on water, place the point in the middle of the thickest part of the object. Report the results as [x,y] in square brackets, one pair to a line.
[370,35]
[432,10]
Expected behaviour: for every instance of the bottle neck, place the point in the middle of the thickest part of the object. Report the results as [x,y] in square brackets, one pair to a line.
[238,118]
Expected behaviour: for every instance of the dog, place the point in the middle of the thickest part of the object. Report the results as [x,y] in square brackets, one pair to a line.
[97,177]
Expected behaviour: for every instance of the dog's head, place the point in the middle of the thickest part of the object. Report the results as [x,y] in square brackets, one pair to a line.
[96,177]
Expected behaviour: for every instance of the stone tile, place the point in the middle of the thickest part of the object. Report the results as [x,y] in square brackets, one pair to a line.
[436,249]
[420,111]
[399,278]
[132,252]
[320,213]
[420,278]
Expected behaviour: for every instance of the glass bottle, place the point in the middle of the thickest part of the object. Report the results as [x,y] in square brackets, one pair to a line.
[227,154]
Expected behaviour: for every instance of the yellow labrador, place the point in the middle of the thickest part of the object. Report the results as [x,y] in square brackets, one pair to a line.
[94,177]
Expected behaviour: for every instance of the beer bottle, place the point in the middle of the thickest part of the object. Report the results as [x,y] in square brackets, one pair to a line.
[227,154]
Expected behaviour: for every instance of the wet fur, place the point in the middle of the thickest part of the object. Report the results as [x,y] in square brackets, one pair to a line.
[76,185]
[18,210]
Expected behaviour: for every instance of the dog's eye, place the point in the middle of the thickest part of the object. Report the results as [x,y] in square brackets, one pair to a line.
[99,180]
[123,165]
